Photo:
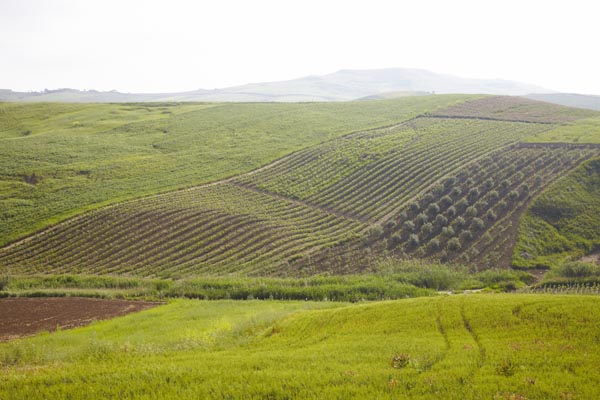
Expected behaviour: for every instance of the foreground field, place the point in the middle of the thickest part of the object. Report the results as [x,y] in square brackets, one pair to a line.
[468,347]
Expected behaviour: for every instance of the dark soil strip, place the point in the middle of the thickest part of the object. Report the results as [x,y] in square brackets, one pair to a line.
[21,317]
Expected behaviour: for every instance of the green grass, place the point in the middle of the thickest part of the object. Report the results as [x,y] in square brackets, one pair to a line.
[582,131]
[390,279]
[468,347]
[562,224]
[58,160]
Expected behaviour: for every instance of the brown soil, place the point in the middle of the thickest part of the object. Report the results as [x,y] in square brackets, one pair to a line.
[26,316]
[592,258]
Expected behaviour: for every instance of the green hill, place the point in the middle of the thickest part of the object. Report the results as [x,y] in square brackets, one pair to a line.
[446,179]
[57,160]
[467,347]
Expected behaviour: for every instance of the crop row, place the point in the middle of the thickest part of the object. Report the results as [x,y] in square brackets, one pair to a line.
[470,216]
[368,176]
[223,226]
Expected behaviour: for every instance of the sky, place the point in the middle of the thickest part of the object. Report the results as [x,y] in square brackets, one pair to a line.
[176,45]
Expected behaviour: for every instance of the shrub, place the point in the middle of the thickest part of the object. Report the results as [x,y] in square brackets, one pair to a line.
[440,220]
[489,183]
[471,211]
[395,240]
[438,189]
[453,244]
[373,234]
[400,360]
[433,209]
[422,218]
[409,226]
[414,206]
[456,191]
[506,367]
[427,228]
[413,240]
[494,195]
[449,182]
[466,236]
[433,246]
[459,222]
[490,215]
[478,224]
[446,201]
[473,194]
[462,204]
[578,269]
[428,198]
[451,211]
[390,225]
[447,231]
[513,195]
[443,256]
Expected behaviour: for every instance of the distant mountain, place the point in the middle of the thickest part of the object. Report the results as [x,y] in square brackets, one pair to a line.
[338,86]
[569,99]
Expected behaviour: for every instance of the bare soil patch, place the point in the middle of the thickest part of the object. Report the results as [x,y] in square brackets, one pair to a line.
[21,317]
[592,258]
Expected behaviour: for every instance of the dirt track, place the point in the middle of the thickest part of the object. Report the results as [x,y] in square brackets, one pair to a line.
[25,316]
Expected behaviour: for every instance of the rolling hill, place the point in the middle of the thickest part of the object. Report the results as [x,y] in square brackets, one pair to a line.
[339,86]
[568,99]
[449,182]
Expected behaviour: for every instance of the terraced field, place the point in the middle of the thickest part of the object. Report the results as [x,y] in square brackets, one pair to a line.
[449,185]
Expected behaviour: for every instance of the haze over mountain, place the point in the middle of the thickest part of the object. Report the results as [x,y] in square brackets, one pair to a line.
[569,99]
[339,86]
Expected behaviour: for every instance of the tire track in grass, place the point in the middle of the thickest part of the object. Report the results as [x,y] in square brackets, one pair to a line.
[480,348]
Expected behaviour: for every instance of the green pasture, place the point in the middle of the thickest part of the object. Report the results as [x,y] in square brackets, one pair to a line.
[461,346]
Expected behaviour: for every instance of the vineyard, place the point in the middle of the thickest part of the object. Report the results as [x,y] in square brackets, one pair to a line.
[448,185]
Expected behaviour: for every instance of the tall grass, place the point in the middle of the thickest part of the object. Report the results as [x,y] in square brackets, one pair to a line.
[468,347]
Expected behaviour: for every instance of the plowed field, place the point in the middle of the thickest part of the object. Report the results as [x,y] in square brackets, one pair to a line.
[25,316]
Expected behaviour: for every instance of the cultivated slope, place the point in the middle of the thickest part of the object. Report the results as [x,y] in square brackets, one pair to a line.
[445,184]
[57,160]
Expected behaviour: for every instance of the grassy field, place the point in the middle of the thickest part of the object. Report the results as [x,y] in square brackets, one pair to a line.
[389,279]
[586,130]
[467,346]
[563,222]
[57,160]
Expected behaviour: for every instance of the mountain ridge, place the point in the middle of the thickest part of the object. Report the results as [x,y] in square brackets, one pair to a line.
[343,85]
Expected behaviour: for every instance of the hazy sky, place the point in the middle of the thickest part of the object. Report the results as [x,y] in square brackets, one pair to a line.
[176,45]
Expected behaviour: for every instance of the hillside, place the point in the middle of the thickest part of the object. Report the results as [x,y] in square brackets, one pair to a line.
[563,222]
[450,183]
[339,86]
[568,99]
[468,347]
[57,160]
